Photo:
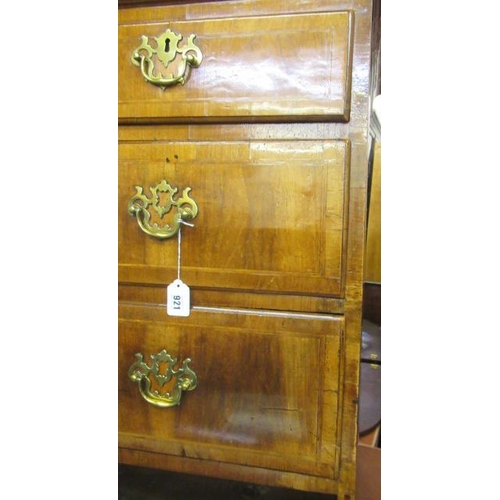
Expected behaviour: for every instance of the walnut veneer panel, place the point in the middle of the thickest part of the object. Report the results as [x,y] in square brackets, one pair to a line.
[250,406]
[271,214]
[206,297]
[280,68]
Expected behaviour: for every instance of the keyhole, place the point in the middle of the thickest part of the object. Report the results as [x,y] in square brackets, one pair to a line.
[167,45]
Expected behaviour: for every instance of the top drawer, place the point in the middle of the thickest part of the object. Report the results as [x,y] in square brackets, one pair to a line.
[267,68]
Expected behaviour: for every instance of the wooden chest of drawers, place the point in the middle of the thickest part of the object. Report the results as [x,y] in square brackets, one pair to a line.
[254,131]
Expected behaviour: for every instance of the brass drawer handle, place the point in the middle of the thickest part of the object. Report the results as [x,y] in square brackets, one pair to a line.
[186,378]
[167,48]
[139,205]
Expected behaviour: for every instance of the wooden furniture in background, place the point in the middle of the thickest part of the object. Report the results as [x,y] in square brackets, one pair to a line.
[270,133]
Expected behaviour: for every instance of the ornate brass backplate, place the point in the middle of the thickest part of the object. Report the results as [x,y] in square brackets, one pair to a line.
[140,372]
[139,206]
[166,52]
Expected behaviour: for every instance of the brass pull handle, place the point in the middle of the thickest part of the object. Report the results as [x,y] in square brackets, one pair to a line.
[139,205]
[166,52]
[186,378]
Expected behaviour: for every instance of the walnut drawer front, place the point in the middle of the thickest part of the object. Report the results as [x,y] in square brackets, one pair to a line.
[267,393]
[254,68]
[271,214]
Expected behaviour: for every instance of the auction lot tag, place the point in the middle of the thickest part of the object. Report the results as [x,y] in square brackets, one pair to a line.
[178,301]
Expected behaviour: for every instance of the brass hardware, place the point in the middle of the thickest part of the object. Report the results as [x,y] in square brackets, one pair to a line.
[166,52]
[186,378]
[139,204]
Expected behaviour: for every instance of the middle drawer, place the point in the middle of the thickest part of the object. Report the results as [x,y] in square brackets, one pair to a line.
[271,215]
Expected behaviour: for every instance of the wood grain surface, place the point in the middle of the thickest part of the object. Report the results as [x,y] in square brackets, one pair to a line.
[271,134]
[276,67]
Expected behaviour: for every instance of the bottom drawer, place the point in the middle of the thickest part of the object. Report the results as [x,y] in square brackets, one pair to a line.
[266,395]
